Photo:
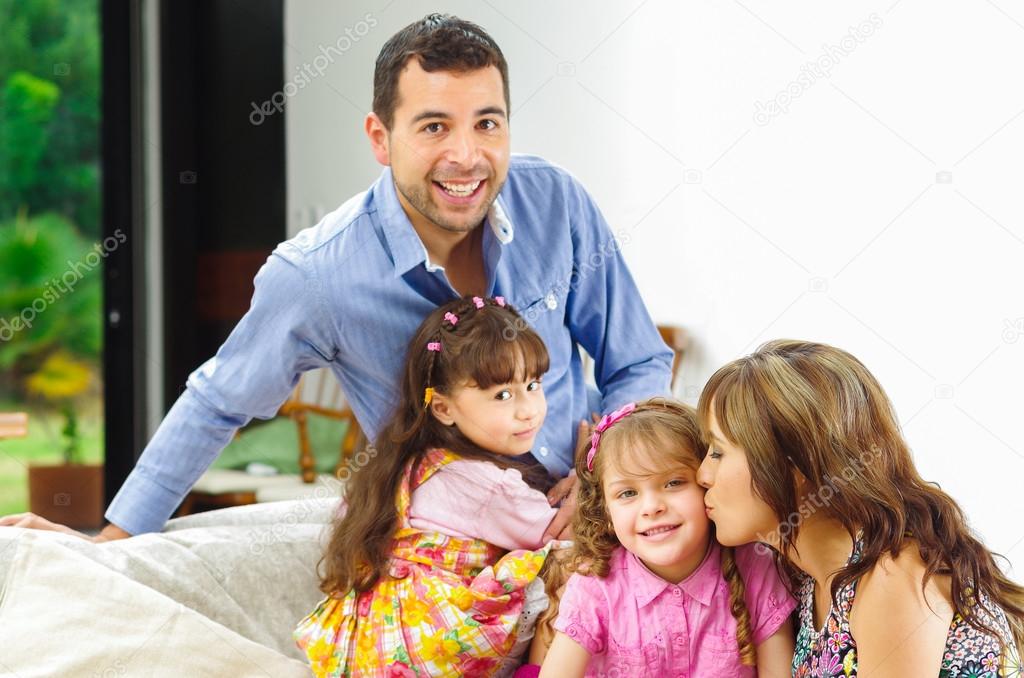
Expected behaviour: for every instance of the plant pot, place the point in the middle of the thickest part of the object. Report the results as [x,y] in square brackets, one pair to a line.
[69,494]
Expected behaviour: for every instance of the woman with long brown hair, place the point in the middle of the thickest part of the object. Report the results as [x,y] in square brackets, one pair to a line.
[428,570]
[806,455]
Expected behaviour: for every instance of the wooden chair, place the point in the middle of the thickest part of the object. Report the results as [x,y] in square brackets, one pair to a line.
[318,393]
[678,339]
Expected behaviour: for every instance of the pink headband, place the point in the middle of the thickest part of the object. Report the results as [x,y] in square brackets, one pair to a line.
[606,423]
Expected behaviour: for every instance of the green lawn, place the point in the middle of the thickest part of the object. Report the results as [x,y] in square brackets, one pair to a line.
[42,446]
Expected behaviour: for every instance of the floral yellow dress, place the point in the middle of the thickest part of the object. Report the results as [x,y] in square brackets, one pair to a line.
[450,607]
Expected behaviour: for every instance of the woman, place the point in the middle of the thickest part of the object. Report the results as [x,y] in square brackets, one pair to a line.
[805,454]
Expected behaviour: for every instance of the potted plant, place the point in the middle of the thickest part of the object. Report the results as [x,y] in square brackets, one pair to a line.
[70,493]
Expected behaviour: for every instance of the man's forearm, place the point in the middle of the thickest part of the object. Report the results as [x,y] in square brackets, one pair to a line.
[184,446]
[639,381]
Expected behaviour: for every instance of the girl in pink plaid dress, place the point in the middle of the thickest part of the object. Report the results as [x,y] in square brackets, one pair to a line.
[428,571]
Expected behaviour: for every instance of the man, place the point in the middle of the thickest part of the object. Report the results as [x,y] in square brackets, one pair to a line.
[452,214]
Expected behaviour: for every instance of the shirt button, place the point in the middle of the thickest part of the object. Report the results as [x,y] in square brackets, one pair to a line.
[676,592]
[552,301]
[543,451]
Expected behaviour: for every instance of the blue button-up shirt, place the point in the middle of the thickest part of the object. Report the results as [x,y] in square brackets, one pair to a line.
[350,292]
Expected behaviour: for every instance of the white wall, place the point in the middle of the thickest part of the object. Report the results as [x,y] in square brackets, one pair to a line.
[880,212]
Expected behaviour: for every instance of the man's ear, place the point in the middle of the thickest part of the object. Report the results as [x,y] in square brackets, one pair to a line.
[441,408]
[377,133]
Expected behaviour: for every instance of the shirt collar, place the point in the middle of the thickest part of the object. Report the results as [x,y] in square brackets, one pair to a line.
[700,585]
[407,250]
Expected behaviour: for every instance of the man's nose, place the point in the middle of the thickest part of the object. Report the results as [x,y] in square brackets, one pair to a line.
[462,148]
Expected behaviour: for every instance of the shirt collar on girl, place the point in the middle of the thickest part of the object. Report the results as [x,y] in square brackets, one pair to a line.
[700,585]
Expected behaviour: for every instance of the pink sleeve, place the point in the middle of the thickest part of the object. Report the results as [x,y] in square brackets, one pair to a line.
[516,515]
[768,600]
[478,500]
[582,613]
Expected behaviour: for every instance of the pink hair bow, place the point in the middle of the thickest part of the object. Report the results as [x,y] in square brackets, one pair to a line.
[451,317]
[479,302]
[434,346]
[606,423]
[500,301]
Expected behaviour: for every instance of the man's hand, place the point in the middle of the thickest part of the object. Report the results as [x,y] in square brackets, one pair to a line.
[565,492]
[34,522]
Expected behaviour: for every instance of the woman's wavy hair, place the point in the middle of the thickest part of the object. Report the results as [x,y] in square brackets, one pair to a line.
[489,344]
[817,409]
[668,435]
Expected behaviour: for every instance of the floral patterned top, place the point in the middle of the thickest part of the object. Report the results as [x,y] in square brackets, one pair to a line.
[832,649]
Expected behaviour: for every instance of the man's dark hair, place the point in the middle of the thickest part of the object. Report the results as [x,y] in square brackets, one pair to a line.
[441,42]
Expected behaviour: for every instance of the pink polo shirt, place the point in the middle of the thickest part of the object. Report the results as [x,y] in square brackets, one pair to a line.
[634,623]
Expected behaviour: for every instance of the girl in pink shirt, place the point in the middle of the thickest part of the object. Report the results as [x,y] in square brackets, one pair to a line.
[654,594]
[429,569]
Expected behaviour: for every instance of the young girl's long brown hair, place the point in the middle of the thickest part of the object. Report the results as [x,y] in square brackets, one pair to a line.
[816,408]
[486,346]
[669,432]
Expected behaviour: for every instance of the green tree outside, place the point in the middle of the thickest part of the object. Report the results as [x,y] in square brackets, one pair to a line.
[50,300]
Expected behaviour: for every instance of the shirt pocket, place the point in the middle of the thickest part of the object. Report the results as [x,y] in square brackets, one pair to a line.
[543,308]
[720,643]
[620,662]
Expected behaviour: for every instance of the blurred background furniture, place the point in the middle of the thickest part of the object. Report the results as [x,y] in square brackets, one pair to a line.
[13,425]
[303,452]
[677,338]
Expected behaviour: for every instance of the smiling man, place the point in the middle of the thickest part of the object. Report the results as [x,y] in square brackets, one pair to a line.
[453,213]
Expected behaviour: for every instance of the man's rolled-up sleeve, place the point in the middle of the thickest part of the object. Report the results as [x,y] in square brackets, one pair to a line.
[285,332]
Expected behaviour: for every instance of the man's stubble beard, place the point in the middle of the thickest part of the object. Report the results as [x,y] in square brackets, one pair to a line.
[424,203]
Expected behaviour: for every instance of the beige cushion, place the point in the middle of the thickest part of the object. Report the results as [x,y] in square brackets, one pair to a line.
[219,481]
[63,614]
[325,486]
